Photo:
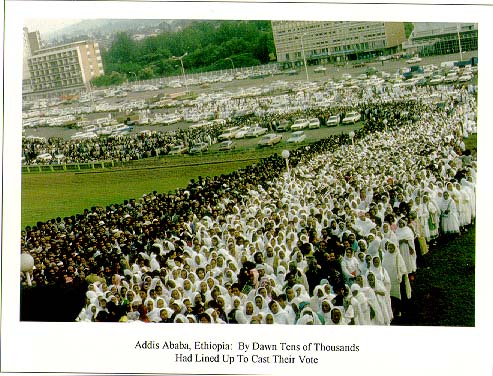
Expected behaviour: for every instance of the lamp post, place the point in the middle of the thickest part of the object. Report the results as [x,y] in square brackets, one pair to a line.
[458,38]
[351,134]
[304,57]
[136,78]
[285,155]
[233,64]
[182,67]
[27,265]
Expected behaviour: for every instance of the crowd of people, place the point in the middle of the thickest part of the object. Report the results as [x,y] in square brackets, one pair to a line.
[258,111]
[334,239]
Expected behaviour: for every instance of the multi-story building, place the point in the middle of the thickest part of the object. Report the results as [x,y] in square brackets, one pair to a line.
[439,38]
[323,41]
[32,43]
[64,68]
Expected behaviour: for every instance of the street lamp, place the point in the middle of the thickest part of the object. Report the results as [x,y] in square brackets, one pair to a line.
[136,78]
[285,155]
[458,38]
[182,67]
[27,265]
[351,134]
[233,64]
[304,57]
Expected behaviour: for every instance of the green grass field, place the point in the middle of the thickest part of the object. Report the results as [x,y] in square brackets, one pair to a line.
[48,195]
[52,194]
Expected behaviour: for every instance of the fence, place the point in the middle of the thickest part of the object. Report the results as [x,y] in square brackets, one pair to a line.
[75,167]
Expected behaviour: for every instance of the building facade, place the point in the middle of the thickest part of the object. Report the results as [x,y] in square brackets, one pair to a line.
[65,67]
[32,43]
[323,41]
[439,38]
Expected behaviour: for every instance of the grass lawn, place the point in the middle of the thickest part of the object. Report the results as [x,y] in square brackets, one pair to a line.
[48,195]
[51,194]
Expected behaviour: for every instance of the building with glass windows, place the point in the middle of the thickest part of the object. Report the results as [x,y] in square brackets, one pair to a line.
[65,67]
[336,41]
[441,38]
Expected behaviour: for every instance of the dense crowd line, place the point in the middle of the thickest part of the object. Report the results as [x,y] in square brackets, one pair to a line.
[334,240]
[159,143]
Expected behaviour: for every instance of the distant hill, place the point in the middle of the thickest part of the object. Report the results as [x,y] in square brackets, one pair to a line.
[96,28]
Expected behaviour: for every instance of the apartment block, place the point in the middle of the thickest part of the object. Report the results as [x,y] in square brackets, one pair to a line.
[64,67]
[323,41]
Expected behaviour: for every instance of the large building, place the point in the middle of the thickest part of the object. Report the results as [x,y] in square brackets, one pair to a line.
[440,38]
[64,68]
[32,43]
[323,41]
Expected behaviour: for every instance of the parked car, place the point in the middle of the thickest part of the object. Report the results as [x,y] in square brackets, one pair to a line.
[313,123]
[297,137]
[227,145]
[351,117]
[256,132]
[299,124]
[270,139]
[320,69]
[178,149]
[199,148]
[333,121]
[242,132]
[414,60]
[283,126]
[228,133]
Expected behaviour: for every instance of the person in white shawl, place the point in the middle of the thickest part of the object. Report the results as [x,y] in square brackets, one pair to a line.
[449,217]
[381,296]
[350,267]
[376,315]
[359,298]
[336,317]
[433,220]
[280,315]
[395,266]
[405,237]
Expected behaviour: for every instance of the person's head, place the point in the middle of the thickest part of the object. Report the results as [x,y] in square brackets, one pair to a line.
[259,301]
[336,315]
[204,318]
[290,293]
[349,252]
[269,319]
[273,306]
[326,306]
[200,273]
[371,279]
[249,308]
[360,280]
[376,260]
[391,248]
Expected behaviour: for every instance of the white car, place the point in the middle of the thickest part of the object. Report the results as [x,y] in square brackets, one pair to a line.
[313,123]
[228,133]
[297,137]
[320,69]
[227,145]
[414,60]
[333,121]
[270,139]
[256,132]
[351,117]
[300,124]
[178,149]
[242,132]
[201,147]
